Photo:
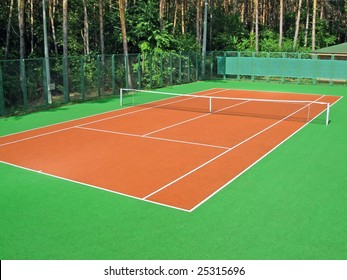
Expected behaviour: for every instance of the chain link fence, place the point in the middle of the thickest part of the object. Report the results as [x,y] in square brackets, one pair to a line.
[24,85]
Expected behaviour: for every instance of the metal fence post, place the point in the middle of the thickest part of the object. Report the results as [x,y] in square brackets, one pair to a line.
[188,67]
[113,73]
[211,64]
[161,70]
[299,70]
[225,66]
[282,67]
[196,67]
[139,82]
[315,60]
[171,69]
[98,74]
[83,86]
[253,64]
[23,82]
[126,64]
[180,68]
[44,76]
[332,58]
[66,79]
[238,66]
[267,67]
[2,96]
[150,70]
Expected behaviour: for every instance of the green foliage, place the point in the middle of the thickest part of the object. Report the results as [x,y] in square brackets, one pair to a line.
[187,43]
[146,33]
[227,30]
[323,36]
[269,41]
[144,30]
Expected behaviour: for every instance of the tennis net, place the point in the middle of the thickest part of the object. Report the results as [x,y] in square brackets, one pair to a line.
[292,110]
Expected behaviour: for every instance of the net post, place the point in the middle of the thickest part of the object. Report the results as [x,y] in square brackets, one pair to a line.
[328,112]
[121,97]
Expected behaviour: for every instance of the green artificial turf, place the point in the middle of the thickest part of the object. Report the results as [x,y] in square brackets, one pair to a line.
[290,205]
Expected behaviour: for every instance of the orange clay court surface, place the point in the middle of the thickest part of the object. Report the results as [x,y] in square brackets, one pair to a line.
[177,158]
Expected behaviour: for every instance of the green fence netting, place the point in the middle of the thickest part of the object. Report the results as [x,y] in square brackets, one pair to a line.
[281,66]
[24,85]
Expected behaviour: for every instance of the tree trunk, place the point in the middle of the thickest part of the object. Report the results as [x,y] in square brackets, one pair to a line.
[182,17]
[314,25]
[307,23]
[22,51]
[102,41]
[8,30]
[51,12]
[256,11]
[198,23]
[101,25]
[85,29]
[263,14]
[242,12]
[125,42]
[281,25]
[211,24]
[65,50]
[161,14]
[297,25]
[21,29]
[175,16]
[31,26]
[65,28]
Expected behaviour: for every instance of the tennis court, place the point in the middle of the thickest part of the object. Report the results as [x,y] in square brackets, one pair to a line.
[177,151]
[187,152]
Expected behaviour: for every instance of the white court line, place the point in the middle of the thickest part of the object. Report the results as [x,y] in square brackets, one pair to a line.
[157,106]
[87,123]
[36,136]
[92,186]
[238,175]
[89,116]
[143,199]
[151,137]
[192,119]
[289,92]
[230,149]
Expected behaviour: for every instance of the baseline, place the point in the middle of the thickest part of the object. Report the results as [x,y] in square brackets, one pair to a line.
[155,196]
[62,126]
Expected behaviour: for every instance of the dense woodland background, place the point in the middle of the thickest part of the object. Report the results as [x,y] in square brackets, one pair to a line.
[87,27]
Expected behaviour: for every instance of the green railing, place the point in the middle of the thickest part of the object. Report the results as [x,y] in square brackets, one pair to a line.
[23,83]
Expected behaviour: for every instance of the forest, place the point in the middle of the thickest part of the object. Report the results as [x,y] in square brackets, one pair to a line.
[90,27]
